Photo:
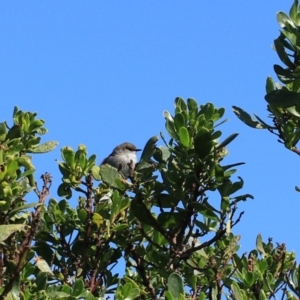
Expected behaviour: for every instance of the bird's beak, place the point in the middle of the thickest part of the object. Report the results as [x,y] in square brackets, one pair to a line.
[138,150]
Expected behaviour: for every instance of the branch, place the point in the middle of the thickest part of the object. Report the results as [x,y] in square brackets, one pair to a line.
[25,246]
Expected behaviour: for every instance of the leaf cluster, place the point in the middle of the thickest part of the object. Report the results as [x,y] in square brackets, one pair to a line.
[283,99]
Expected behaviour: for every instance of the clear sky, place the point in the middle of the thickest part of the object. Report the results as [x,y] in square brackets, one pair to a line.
[102,72]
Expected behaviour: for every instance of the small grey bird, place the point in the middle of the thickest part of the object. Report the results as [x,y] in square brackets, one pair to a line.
[123,158]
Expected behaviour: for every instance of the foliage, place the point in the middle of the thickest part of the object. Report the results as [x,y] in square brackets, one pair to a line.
[172,223]
[283,99]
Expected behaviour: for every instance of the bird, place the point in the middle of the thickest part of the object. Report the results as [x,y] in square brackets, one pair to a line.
[123,158]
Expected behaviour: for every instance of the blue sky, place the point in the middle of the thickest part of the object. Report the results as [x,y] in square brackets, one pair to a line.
[102,72]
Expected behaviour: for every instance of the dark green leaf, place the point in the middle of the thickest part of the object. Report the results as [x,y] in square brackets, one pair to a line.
[283,98]
[282,54]
[141,212]
[227,141]
[246,118]
[169,219]
[64,189]
[192,105]
[41,281]
[167,201]
[202,142]
[162,154]
[231,166]
[175,286]
[205,211]
[149,149]
[171,129]
[285,75]
[236,186]
[262,122]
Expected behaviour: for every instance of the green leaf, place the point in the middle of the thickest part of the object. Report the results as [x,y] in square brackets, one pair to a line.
[237,295]
[43,148]
[149,149]
[179,121]
[16,109]
[161,154]
[78,287]
[262,295]
[97,220]
[168,296]
[219,113]
[184,137]
[23,207]
[82,215]
[292,110]
[175,286]
[3,132]
[43,266]
[109,175]
[59,295]
[171,129]
[96,173]
[192,105]
[179,102]
[12,166]
[7,230]
[270,85]
[246,118]
[35,124]
[139,210]
[293,11]
[283,19]
[208,110]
